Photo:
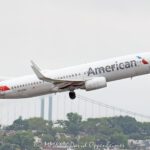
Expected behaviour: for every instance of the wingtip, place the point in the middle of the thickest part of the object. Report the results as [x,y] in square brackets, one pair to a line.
[32,62]
[34,65]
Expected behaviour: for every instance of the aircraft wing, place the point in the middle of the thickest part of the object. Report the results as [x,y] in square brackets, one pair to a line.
[62,84]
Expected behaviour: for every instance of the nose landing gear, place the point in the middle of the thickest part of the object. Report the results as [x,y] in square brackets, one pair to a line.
[72,95]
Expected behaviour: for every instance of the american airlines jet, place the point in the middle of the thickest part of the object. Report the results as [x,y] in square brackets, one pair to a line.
[91,76]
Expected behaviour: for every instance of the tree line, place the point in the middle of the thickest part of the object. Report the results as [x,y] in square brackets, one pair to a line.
[101,131]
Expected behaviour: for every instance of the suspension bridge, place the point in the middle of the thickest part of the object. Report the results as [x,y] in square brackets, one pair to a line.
[59,107]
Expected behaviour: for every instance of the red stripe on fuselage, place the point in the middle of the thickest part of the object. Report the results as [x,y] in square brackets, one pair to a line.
[4,88]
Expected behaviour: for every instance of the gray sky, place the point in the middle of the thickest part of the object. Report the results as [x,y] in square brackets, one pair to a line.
[60,33]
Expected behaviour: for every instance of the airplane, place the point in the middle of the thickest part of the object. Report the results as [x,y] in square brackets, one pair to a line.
[91,76]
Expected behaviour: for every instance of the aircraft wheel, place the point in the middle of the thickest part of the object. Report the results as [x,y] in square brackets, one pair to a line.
[72,95]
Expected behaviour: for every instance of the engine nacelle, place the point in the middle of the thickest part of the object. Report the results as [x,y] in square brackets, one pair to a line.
[95,83]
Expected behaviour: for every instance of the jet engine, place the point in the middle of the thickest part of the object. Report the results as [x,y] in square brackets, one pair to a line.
[95,83]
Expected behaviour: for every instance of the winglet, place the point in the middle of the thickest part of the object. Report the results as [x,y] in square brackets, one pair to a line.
[37,71]
[39,74]
[33,64]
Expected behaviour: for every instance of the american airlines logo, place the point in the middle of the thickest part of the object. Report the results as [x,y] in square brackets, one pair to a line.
[144,61]
[113,67]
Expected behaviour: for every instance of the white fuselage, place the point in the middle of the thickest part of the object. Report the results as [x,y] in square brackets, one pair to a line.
[111,69]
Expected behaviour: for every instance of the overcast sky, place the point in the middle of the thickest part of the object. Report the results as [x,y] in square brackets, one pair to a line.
[56,33]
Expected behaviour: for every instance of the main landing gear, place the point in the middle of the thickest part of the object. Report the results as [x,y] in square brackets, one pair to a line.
[72,95]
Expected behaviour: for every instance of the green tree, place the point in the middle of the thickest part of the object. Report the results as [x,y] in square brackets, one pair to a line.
[41,126]
[127,124]
[73,124]
[37,124]
[8,146]
[47,138]
[24,139]
[86,139]
[18,124]
[119,139]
